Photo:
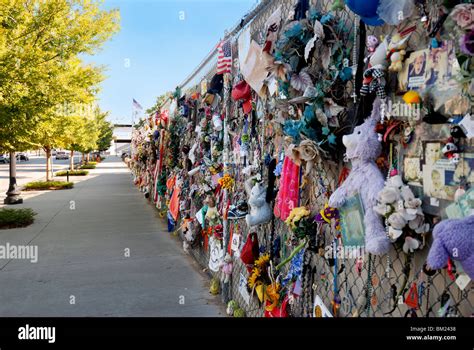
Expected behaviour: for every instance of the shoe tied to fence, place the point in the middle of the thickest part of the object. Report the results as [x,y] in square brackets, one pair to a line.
[238,211]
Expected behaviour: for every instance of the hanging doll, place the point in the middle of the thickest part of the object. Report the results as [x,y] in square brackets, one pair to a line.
[363,148]
[226,268]
[374,76]
[372,42]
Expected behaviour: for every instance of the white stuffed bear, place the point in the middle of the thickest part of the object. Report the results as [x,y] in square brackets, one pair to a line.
[260,211]
[363,148]
[396,52]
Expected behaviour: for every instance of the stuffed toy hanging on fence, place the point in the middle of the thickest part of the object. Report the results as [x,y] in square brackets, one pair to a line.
[363,148]
[454,239]
[260,211]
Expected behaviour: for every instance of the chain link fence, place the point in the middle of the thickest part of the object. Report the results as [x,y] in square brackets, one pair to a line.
[377,287]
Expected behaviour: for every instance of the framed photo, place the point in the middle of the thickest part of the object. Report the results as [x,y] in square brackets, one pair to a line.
[464,169]
[431,152]
[352,222]
[414,73]
[436,180]
[412,169]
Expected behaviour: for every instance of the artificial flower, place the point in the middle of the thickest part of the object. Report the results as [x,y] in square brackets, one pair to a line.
[262,261]
[397,221]
[273,295]
[383,209]
[410,245]
[394,233]
[463,15]
[296,215]
[395,181]
[389,195]
[301,80]
[253,278]
[418,224]
[332,139]
[466,43]
[276,68]
[226,182]
[408,213]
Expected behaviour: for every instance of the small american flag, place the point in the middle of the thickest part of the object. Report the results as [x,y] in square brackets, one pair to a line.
[136,104]
[224,57]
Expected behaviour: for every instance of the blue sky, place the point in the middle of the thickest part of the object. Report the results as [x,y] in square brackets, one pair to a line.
[156,50]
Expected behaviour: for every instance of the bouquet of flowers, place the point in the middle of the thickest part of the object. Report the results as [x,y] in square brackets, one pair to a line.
[404,217]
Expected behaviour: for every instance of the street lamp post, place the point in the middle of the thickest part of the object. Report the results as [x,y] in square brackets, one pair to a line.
[13,194]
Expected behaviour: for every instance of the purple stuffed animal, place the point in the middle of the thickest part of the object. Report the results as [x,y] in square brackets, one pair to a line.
[453,238]
[365,178]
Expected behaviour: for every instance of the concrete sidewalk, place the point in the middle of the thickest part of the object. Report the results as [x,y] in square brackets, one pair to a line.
[82,267]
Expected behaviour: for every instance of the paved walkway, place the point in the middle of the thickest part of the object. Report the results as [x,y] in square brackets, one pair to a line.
[82,269]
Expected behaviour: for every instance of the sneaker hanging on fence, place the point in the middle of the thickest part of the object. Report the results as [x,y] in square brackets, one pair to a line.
[237,211]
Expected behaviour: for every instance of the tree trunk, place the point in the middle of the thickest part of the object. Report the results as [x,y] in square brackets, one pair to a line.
[88,157]
[71,161]
[48,163]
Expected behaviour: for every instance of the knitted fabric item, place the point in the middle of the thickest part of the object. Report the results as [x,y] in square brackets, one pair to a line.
[288,193]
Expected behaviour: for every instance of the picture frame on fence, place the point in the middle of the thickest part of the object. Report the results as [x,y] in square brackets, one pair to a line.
[431,152]
[352,222]
[412,170]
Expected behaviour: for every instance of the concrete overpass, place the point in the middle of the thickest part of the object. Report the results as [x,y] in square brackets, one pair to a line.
[122,138]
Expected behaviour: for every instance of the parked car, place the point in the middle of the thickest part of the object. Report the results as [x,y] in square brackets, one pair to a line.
[4,159]
[22,156]
[61,155]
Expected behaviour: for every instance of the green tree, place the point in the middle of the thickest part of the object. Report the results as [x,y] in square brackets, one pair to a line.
[106,131]
[80,132]
[40,70]
[39,40]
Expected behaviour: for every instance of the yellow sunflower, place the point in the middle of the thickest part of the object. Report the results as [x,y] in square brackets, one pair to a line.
[253,279]
[262,261]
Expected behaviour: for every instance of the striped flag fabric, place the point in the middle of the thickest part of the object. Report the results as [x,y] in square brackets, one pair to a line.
[136,104]
[224,57]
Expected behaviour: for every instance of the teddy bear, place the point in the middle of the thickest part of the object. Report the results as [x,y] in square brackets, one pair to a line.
[453,238]
[365,178]
[396,52]
[260,210]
